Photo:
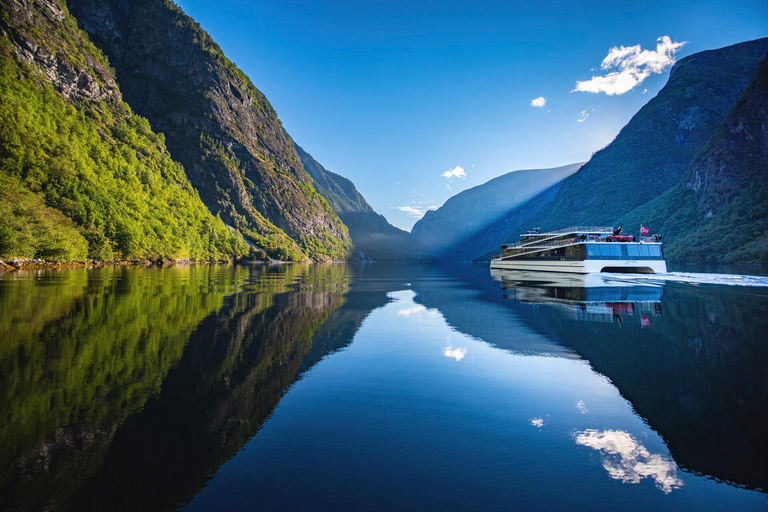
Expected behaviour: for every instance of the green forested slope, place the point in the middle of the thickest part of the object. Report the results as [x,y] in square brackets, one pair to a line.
[81,176]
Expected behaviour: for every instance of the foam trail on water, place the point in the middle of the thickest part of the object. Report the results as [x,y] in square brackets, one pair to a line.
[694,278]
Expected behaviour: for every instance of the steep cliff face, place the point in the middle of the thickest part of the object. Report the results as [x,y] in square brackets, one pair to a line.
[717,212]
[736,157]
[66,57]
[474,221]
[81,176]
[652,152]
[217,124]
[373,237]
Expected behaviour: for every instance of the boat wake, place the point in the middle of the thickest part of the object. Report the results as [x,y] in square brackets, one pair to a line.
[693,278]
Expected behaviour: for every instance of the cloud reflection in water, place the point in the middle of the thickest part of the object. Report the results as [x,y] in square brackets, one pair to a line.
[457,353]
[627,460]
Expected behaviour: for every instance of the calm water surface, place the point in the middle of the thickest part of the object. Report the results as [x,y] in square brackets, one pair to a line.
[381,387]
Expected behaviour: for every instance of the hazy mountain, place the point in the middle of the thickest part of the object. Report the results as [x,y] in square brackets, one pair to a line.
[477,220]
[82,176]
[217,124]
[652,152]
[373,236]
[717,212]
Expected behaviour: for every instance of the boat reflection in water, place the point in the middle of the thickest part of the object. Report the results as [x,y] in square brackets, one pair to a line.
[585,297]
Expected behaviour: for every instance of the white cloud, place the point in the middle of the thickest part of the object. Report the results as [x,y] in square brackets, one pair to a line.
[537,422]
[416,211]
[631,65]
[584,116]
[456,353]
[645,91]
[627,460]
[456,172]
[539,102]
[582,407]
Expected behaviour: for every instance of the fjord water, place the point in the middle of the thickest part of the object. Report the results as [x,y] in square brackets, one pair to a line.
[381,387]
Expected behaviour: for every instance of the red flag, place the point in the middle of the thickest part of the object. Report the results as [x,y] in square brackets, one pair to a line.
[643,230]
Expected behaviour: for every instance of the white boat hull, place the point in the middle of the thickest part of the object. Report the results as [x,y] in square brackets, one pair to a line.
[582,267]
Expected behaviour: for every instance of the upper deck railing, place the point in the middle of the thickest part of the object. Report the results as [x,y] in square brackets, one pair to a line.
[574,229]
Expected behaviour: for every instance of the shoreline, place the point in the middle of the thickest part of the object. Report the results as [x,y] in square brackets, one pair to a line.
[39,264]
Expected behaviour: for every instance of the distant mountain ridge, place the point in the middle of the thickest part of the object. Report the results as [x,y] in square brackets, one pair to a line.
[476,220]
[372,235]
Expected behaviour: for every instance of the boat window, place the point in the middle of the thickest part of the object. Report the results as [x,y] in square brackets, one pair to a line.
[632,251]
[655,251]
[593,250]
[644,251]
[605,250]
[615,250]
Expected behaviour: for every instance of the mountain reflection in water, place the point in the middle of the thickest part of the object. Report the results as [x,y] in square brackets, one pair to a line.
[132,388]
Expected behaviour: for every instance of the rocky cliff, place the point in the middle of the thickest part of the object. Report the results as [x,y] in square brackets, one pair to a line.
[372,235]
[653,151]
[477,220]
[717,212]
[217,124]
[82,176]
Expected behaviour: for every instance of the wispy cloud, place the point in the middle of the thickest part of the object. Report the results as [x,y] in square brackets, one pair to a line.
[456,172]
[539,102]
[537,422]
[584,115]
[416,211]
[629,66]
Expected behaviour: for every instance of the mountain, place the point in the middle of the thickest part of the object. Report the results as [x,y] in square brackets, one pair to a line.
[81,176]
[373,237]
[717,213]
[477,220]
[653,151]
[217,124]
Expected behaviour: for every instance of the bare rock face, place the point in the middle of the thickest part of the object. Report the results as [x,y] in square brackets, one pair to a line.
[735,161]
[89,80]
[217,124]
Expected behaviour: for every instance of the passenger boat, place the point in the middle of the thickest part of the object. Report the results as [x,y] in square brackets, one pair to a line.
[583,250]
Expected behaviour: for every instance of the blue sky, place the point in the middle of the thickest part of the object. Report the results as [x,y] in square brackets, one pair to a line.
[393,95]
